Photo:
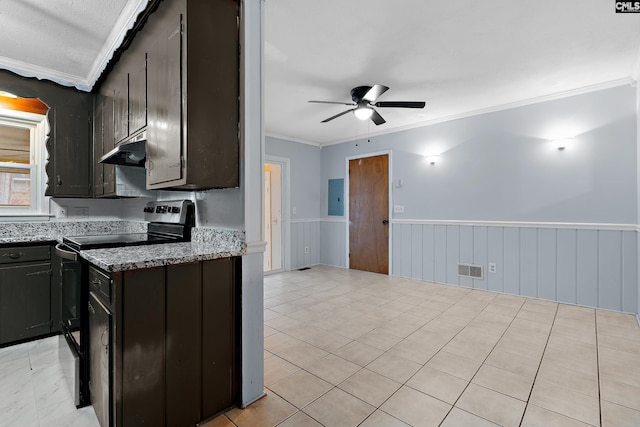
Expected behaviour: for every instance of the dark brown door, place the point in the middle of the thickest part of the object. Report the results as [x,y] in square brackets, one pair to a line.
[368,214]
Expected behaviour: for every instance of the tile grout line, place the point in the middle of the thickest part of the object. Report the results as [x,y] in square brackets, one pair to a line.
[556,314]
[364,367]
[408,379]
[424,364]
[475,317]
[482,363]
[526,405]
[595,319]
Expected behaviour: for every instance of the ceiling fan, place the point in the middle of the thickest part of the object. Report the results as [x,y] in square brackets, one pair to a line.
[364,98]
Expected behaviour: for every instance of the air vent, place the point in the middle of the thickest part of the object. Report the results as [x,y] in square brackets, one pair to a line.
[470,270]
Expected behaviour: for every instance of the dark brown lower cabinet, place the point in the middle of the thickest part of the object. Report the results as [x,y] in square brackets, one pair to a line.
[25,293]
[184,344]
[175,343]
[99,369]
[218,335]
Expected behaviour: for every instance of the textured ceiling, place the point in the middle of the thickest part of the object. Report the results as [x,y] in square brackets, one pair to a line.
[459,57]
[67,41]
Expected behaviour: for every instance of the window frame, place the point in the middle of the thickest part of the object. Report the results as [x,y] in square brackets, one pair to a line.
[38,127]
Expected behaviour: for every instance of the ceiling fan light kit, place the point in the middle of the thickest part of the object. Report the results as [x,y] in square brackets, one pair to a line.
[364,98]
[363,113]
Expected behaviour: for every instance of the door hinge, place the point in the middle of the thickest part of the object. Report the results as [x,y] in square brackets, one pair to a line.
[38,273]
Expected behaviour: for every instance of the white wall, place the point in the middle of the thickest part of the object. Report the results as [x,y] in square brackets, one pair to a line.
[251,182]
[559,224]
[638,179]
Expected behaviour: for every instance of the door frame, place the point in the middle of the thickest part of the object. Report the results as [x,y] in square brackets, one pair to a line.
[390,210]
[285,164]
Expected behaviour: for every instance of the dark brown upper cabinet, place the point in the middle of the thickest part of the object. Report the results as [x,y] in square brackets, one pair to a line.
[68,167]
[138,93]
[104,184]
[120,82]
[193,95]
[180,74]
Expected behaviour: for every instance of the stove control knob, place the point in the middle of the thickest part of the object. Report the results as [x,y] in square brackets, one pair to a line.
[148,209]
[174,209]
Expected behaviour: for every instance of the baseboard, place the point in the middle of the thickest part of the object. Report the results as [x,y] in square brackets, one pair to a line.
[245,404]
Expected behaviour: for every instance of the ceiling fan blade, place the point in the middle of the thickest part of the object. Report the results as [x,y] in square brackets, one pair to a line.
[337,115]
[400,104]
[332,102]
[377,118]
[373,93]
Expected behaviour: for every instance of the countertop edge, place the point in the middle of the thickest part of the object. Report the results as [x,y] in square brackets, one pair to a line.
[159,262]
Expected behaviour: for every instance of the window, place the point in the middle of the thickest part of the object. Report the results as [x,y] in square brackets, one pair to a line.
[22,161]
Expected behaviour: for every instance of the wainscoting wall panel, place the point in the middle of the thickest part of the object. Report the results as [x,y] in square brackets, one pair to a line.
[305,233]
[333,243]
[576,264]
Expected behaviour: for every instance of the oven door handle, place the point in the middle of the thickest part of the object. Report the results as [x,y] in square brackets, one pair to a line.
[66,253]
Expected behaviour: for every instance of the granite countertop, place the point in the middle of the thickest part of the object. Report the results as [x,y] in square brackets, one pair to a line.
[134,257]
[206,243]
[50,231]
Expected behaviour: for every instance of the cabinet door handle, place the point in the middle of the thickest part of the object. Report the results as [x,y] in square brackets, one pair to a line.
[59,179]
[105,332]
[95,282]
[40,325]
[37,273]
[13,255]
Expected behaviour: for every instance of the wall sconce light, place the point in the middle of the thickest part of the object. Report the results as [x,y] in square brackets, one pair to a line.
[432,159]
[561,144]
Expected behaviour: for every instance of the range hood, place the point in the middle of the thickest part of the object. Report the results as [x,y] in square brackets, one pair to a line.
[129,153]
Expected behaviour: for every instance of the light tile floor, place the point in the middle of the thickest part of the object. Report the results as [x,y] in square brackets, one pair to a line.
[33,391]
[349,348]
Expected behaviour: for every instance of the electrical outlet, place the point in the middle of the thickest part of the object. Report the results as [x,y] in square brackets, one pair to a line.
[294,210]
[492,267]
[306,249]
[398,209]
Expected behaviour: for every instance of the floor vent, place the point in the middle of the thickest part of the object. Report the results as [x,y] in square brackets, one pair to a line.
[304,268]
[470,270]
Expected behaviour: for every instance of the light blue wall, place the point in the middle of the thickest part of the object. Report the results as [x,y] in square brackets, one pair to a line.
[305,175]
[590,267]
[499,167]
[304,161]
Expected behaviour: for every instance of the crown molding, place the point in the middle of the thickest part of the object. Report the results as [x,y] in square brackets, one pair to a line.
[42,73]
[499,107]
[125,22]
[291,139]
[635,72]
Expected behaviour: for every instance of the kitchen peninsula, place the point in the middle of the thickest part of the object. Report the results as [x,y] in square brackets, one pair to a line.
[162,320]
